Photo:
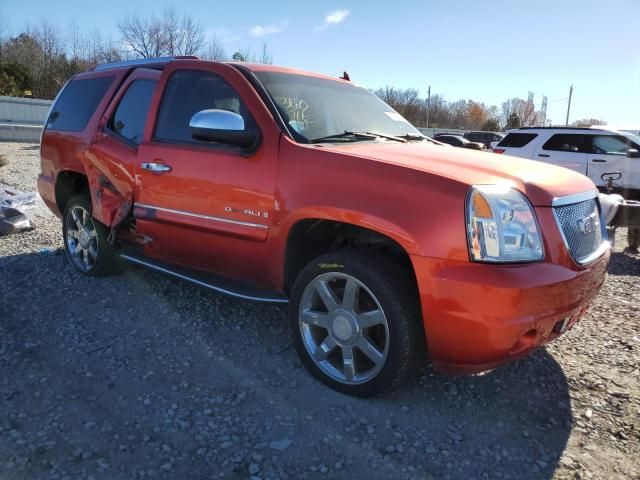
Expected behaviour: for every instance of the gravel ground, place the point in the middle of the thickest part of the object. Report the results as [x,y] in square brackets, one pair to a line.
[140,376]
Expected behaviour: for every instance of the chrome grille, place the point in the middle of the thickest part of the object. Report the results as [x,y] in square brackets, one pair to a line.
[581,228]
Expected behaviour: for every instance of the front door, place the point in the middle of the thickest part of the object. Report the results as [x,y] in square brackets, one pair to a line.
[608,155]
[565,150]
[203,204]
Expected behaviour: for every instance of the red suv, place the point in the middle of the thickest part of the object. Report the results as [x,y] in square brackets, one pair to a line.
[277,185]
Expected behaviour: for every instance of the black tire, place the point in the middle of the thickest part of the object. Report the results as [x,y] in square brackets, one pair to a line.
[394,290]
[633,237]
[106,261]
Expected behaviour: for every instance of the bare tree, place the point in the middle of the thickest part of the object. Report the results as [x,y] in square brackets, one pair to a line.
[588,122]
[215,51]
[46,71]
[184,35]
[523,109]
[143,37]
[170,34]
[266,56]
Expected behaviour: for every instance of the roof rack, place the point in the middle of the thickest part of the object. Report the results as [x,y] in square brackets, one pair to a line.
[560,128]
[141,62]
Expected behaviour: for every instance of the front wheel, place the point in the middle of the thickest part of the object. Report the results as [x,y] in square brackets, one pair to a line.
[85,239]
[355,322]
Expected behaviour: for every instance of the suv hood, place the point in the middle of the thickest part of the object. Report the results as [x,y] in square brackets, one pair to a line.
[540,182]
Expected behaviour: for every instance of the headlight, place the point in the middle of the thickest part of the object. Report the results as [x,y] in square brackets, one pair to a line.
[501,226]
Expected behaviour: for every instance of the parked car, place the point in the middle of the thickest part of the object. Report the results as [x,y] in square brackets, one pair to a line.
[459,141]
[277,185]
[486,138]
[591,152]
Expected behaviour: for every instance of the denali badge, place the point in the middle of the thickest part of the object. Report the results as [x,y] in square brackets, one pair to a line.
[247,211]
[588,224]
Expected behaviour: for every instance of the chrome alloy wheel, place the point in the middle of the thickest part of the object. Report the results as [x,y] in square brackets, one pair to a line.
[344,328]
[81,238]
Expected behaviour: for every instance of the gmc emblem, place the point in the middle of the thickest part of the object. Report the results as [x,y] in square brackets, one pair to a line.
[588,224]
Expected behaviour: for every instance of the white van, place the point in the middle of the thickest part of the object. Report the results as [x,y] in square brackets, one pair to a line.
[592,152]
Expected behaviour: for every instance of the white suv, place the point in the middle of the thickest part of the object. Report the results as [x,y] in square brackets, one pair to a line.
[592,152]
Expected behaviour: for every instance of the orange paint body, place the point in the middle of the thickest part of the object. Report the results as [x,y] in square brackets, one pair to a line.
[475,315]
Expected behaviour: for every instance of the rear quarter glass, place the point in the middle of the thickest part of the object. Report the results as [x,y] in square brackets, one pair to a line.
[517,140]
[77,103]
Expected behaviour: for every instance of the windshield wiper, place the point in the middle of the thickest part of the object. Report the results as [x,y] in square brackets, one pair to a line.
[355,136]
[410,137]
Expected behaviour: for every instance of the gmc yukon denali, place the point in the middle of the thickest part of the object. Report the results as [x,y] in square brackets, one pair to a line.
[279,185]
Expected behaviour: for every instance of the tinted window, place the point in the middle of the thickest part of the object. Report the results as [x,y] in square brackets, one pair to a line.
[129,118]
[77,103]
[563,142]
[450,140]
[475,137]
[517,139]
[188,92]
[609,144]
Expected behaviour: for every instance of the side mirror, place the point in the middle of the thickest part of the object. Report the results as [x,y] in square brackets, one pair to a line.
[633,153]
[221,126]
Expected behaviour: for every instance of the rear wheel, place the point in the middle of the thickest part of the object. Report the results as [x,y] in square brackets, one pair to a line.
[85,239]
[355,322]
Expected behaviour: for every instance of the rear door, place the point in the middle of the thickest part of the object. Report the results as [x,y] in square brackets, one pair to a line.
[567,150]
[114,151]
[609,154]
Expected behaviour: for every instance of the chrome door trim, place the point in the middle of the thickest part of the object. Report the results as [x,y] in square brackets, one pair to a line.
[204,217]
[575,198]
[201,283]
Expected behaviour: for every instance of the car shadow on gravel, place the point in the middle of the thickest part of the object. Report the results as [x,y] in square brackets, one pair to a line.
[512,422]
[626,262]
[199,384]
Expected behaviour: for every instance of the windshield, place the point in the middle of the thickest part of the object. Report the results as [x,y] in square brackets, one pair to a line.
[633,137]
[316,108]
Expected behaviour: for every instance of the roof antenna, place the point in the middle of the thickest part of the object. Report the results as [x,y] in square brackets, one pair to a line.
[345,76]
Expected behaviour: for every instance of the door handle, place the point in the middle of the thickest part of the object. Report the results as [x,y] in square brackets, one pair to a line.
[598,160]
[543,155]
[156,167]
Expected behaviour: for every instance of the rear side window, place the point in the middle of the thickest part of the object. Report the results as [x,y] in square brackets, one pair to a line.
[129,118]
[517,140]
[77,103]
[188,92]
[563,142]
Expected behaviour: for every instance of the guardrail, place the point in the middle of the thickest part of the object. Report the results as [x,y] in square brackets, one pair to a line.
[21,119]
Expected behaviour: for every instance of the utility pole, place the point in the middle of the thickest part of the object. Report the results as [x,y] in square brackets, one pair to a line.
[566,123]
[428,104]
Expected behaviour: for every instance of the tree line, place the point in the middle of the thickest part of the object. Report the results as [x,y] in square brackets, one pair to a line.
[468,114]
[39,60]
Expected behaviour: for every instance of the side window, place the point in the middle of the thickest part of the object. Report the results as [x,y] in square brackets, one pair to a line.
[517,140]
[610,144]
[77,103]
[188,92]
[131,113]
[562,142]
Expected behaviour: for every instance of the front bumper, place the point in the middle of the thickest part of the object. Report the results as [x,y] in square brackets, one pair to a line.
[478,316]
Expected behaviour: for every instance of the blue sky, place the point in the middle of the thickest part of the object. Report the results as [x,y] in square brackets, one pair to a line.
[483,50]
